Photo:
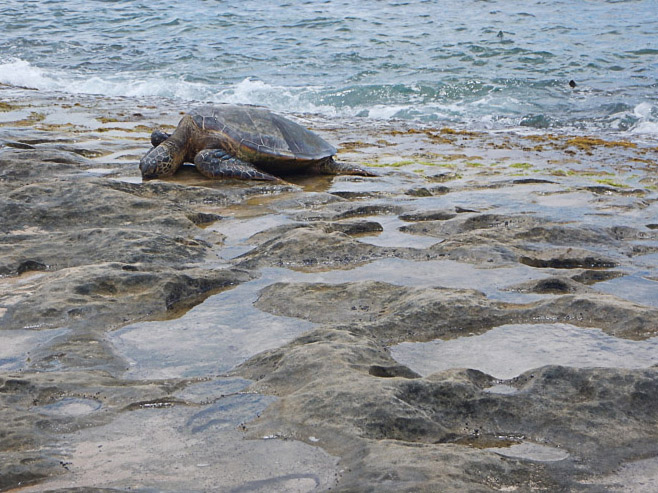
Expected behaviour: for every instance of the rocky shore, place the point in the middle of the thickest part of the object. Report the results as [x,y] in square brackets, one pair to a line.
[190,335]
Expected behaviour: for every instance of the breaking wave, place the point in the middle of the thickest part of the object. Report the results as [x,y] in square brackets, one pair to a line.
[492,105]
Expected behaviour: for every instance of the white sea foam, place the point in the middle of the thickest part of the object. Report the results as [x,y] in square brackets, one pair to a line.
[645,128]
[643,110]
[20,73]
[491,111]
[16,72]
[385,112]
[647,115]
[278,98]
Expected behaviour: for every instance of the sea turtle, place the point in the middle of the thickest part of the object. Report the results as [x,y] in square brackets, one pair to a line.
[241,141]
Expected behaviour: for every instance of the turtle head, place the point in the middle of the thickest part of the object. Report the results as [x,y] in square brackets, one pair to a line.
[158,162]
[168,152]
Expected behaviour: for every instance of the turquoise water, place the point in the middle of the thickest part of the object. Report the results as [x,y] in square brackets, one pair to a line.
[485,63]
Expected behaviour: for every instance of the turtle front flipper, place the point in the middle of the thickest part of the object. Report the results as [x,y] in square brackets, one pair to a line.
[215,163]
[331,167]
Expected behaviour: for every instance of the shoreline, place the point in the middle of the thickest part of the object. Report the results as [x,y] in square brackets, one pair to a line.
[203,327]
[172,105]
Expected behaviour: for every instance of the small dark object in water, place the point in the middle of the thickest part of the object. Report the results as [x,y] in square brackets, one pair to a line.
[500,34]
[572,84]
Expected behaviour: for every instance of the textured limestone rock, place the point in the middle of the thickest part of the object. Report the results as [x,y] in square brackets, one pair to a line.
[416,255]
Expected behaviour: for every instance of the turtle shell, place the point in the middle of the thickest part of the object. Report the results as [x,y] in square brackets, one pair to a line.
[257,135]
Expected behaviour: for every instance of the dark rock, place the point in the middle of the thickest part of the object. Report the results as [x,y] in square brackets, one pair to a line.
[392,371]
[531,181]
[355,228]
[552,285]
[348,210]
[442,177]
[568,263]
[419,192]
[564,235]
[202,218]
[605,190]
[428,216]
[44,164]
[593,276]
[30,265]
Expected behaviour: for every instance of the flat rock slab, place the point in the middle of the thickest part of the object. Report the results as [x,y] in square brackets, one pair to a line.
[480,317]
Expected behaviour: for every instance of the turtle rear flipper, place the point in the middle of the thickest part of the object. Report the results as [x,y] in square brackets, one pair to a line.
[331,167]
[215,163]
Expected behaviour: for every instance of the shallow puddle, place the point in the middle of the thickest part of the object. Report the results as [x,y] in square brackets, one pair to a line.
[635,288]
[564,201]
[509,350]
[209,339]
[70,407]
[129,179]
[16,346]
[226,329]
[185,448]
[388,183]
[97,172]
[60,116]
[123,156]
[532,451]
[238,230]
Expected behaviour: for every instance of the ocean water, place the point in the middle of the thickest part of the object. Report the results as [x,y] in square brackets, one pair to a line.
[494,64]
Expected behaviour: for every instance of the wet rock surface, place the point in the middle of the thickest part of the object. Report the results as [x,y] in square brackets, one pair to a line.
[395,313]
[181,335]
